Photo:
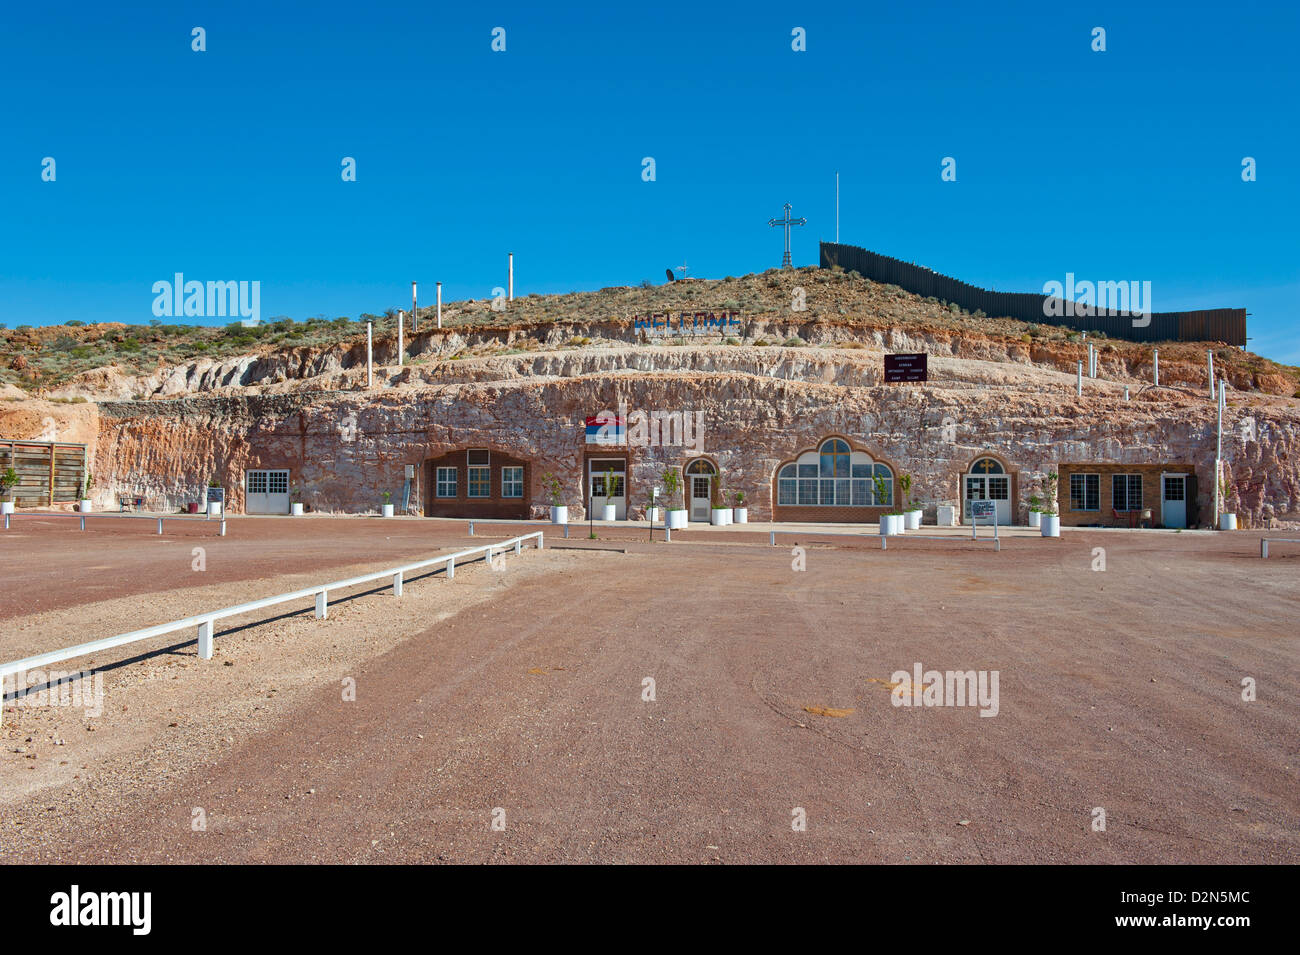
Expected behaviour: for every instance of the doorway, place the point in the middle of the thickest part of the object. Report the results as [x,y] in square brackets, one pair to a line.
[987,480]
[1173,500]
[266,492]
[700,475]
[607,484]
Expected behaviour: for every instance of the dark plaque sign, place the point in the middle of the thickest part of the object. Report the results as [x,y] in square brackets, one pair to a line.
[906,368]
[216,495]
[982,509]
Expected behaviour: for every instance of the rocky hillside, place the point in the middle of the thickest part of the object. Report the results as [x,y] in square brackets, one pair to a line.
[556,334]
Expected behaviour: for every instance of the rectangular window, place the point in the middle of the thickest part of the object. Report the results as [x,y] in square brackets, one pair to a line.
[861,492]
[999,488]
[512,482]
[807,490]
[446,484]
[785,490]
[1174,488]
[477,457]
[1126,492]
[256,482]
[278,482]
[1085,492]
[480,482]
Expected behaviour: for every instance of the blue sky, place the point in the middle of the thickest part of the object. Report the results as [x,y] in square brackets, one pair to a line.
[225,165]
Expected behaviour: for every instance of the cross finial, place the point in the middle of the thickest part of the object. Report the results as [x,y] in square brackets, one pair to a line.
[787,221]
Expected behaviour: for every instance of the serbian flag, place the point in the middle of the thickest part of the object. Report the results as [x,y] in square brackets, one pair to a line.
[606,429]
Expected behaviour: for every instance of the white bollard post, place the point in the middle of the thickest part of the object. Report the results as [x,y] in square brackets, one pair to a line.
[566,530]
[397,584]
[370,354]
[540,539]
[1078,384]
[668,534]
[771,538]
[160,525]
[222,532]
[471,528]
[83,523]
[884,542]
[1263,547]
[6,522]
[205,640]
[519,547]
[451,568]
[322,605]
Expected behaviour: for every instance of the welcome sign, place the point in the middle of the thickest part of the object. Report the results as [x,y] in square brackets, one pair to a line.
[686,323]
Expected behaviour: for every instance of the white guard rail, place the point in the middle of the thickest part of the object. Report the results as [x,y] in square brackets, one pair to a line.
[205,621]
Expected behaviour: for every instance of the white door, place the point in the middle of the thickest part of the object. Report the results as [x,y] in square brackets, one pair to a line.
[700,503]
[1173,500]
[976,490]
[608,472]
[266,492]
[999,491]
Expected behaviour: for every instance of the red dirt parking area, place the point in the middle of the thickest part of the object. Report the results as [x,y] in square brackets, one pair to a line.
[716,699]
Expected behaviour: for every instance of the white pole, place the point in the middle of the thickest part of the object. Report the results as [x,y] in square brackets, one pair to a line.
[1078,385]
[1209,354]
[1155,365]
[837,207]
[370,354]
[1126,392]
[510,282]
[415,315]
[1218,459]
[439,287]
[1092,360]
[401,317]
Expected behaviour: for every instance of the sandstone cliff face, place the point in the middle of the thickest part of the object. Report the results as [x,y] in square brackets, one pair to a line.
[345,448]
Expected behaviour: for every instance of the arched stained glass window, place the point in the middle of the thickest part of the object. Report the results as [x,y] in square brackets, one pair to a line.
[700,466]
[832,476]
[986,466]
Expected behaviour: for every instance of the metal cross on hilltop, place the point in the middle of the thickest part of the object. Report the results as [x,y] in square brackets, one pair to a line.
[787,222]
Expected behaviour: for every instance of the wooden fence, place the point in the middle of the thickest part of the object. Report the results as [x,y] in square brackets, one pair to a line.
[49,472]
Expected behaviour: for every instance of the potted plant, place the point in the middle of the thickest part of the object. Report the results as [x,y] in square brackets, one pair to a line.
[388,507]
[555,494]
[608,511]
[740,512]
[87,483]
[295,501]
[8,481]
[1050,522]
[214,507]
[890,523]
[1227,518]
[1035,511]
[914,511]
[672,488]
[719,513]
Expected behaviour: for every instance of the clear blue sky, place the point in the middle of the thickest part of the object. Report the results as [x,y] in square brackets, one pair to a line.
[225,165]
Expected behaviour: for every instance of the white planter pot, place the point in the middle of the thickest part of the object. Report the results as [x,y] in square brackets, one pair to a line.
[1035,519]
[1051,525]
[913,522]
[85,505]
[559,514]
[608,512]
[888,526]
[677,519]
[214,508]
[720,516]
[6,507]
[652,515]
[295,508]
[1227,522]
[388,510]
[741,515]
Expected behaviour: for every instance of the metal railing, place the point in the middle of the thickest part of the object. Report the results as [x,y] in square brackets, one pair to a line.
[118,517]
[1263,543]
[884,538]
[205,621]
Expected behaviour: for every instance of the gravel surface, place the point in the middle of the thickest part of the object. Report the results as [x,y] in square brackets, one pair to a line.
[519,697]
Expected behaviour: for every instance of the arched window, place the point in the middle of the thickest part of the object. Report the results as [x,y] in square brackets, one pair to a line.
[700,466]
[986,466]
[832,476]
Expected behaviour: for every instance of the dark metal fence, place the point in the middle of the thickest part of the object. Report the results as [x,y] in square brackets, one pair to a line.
[1226,325]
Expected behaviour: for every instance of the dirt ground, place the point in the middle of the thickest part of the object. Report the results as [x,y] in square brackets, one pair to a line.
[518,698]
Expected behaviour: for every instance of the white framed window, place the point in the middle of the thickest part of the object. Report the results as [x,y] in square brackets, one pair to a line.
[479,481]
[1085,492]
[445,485]
[833,476]
[1126,492]
[512,482]
[256,482]
[277,482]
